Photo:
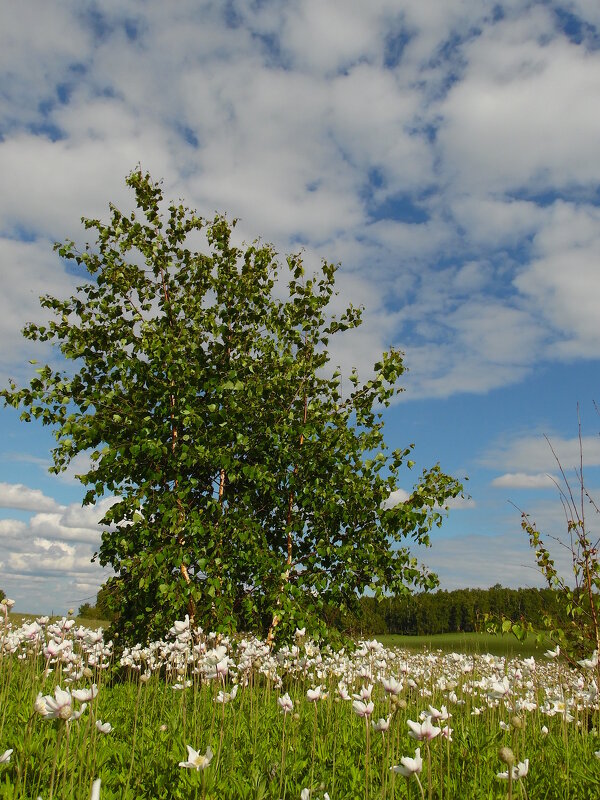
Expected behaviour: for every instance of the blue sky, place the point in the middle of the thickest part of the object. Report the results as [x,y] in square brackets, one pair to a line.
[444,153]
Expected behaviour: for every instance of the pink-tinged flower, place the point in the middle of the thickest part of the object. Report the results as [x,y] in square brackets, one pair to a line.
[285,703]
[392,686]
[363,709]
[195,760]
[312,695]
[343,691]
[447,732]
[410,766]
[423,731]
[438,715]
[365,693]
[53,648]
[520,771]
[5,757]
[60,706]
[85,695]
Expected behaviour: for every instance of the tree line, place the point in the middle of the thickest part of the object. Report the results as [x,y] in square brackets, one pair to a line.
[458,611]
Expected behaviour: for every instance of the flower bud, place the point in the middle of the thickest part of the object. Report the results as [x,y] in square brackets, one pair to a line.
[506,755]
[517,722]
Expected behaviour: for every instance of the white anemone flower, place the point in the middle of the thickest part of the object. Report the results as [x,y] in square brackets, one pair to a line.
[363,709]
[5,757]
[589,663]
[60,706]
[195,760]
[423,731]
[285,703]
[382,725]
[103,727]
[85,695]
[553,653]
[520,771]
[392,686]
[410,766]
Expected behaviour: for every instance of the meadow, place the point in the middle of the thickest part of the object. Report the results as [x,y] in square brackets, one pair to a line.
[202,716]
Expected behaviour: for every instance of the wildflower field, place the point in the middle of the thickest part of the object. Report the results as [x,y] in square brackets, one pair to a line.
[201,716]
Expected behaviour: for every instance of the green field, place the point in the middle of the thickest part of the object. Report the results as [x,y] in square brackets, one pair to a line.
[466,643]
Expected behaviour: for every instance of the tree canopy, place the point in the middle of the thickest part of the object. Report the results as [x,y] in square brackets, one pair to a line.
[249,490]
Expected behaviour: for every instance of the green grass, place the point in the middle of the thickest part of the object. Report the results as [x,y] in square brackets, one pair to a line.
[465,643]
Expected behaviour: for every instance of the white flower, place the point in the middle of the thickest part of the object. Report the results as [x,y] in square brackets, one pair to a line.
[382,725]
[363,709]
[285,703]
[392,686]
[103,727]
[5,757]
[59,706]
[410,766]
[553,653]
[95,795]
[40,705]
[544,730]
[589,663]
[195,760]
[85,694]
[438,715]
[423,731]
[312,695]
[225,697]
[180,627]
[520,771]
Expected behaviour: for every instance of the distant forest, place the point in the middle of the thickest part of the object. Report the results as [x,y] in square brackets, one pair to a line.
[462,610]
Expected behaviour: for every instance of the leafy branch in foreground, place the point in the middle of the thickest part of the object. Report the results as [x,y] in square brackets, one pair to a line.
[248,490]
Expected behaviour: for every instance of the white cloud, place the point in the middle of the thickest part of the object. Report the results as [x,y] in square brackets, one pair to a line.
[396,498]
[523,480]
[521,115]
[16,495]
[563,279]
[533,454]
[480,561]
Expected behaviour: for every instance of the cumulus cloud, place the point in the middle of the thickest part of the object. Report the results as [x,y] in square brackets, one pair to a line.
[533,454]
[523,480]
[491,559]
[16,495]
